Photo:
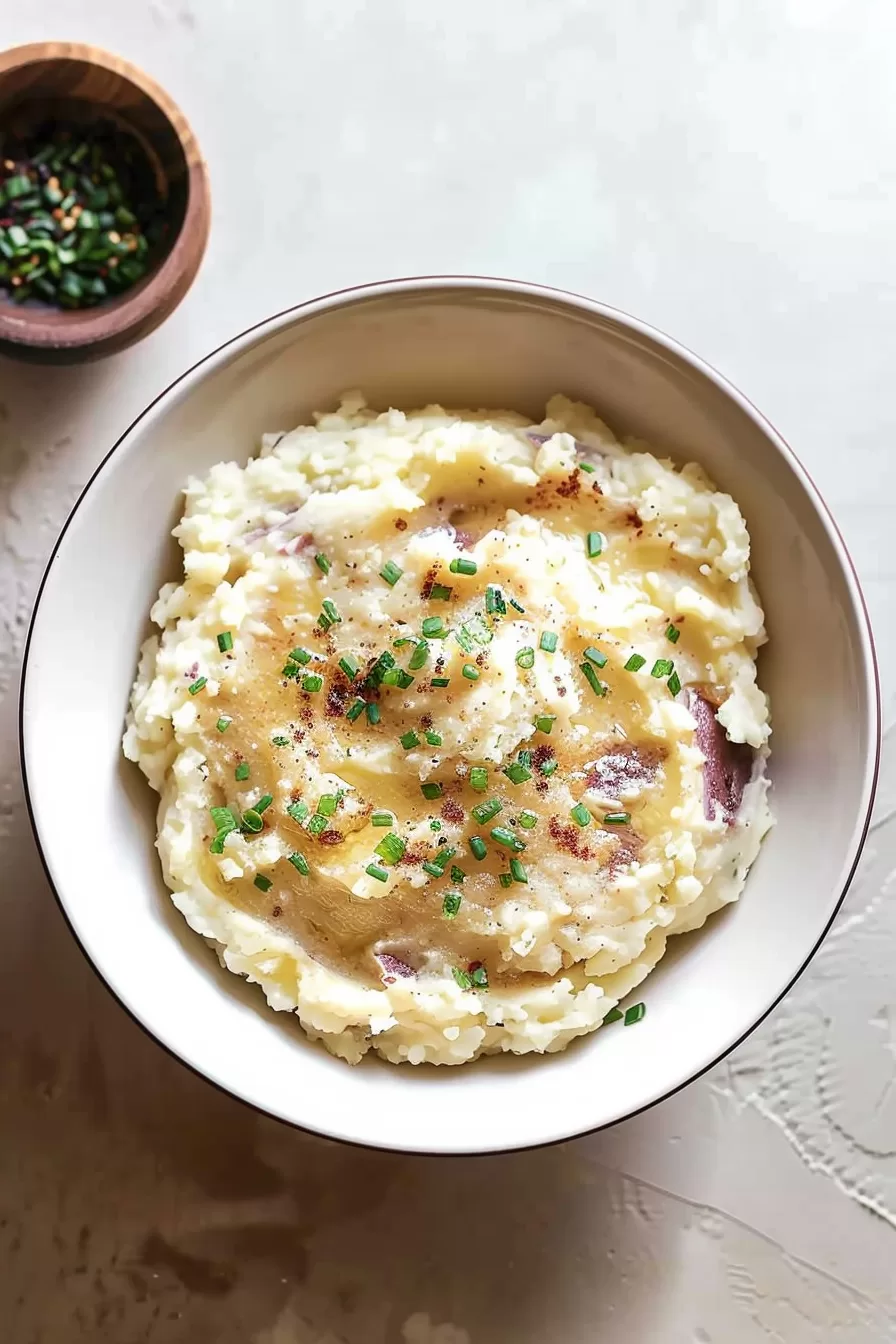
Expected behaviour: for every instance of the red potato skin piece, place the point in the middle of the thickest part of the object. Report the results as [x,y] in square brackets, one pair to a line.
[624,766]
[393,968]
[728,766]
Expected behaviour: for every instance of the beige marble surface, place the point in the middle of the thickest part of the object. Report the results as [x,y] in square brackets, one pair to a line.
[725,171]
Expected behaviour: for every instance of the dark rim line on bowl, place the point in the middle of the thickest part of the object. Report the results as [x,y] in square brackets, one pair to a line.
[532,290]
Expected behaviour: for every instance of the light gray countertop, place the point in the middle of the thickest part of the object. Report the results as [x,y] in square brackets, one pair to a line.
[727,172]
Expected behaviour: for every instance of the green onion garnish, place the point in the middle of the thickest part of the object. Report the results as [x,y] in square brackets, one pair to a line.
[327,804]
[463,566]
[479,778]
[673,634]
[478,847]
[614,1015]
[391,573]
[451,904]
[545,722]
[470,671]
[435,825]
[419,656]
[434,739]
[674,683]
[528,819]
[595,544]
[374,870]
[264,803]
[457,874]
[396,676]
[350,665]
[322,563]
[586,466]
[390,848]
[663,667]
[617,818]
[505,879]
[252,821]
[518,872]
[223,819]
[461,977]
[409,739]
[242,770]
[634,1014]
[198,685]
[596,657]
[380,818]
[548,641]
[298,811]
[263,883]
[484,812]
[300,863]
[317,824]
[289,669]
[431,790]
[432,868]
[403,643]
[225,641]
[502,836]
[464,639]
[439,592]
[592,679]
[494,601]
[330,611]
[373,714]
[580,815]
[526,657]
[280,741]
[441,681]
[355,710]
[224,723]
[433,628]
[517,773]
[635,663]
[380,668]
[311,682]
[480,978]
[299,655]
[548,767]
[516,606]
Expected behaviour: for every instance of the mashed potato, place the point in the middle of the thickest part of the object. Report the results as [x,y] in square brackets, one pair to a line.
[454,720]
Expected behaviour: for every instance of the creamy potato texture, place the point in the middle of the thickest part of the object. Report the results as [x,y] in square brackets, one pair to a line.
[454,719]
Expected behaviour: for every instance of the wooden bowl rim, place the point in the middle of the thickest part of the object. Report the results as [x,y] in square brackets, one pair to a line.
[175,274]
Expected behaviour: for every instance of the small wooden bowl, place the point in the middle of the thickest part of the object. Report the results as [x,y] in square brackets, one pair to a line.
[81,84]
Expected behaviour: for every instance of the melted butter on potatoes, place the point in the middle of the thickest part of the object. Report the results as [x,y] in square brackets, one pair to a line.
[528,650]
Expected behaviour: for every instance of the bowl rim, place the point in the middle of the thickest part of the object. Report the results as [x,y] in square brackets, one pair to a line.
[871,682]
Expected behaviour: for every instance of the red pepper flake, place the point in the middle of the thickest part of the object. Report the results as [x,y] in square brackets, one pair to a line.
[337,698]
[413,856]
[401,524]
[331,837]
[569,488]
[307,717]
[452,811]
[568,838]
[276,912]
[474,966]
[426,720]
[542,753]
[429,579]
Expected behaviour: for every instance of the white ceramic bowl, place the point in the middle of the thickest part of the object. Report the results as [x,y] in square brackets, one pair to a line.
[468,342]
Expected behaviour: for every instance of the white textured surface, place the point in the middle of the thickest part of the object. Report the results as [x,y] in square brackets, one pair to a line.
[724,171]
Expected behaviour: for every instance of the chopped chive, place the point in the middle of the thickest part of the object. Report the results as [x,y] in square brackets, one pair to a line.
[461,978]
[545,722]
[402,679]
[439,592]
[457,874]
[298,811]
[223,819]
[435,825]
[634,1014]
[441,681]
[674,683]
[592,679]
[548,641]
[663,667]
[617,818]
[479,976]
[548,767]
[327,804]
[322,563]
[299,655]
[595,544]
[516,606]
[330,611]
[518,872]
[433,628]
[505,879]
[311,682]
[432,868]
[252,821]
[479,778]
[517,773]
[635,663]
[403,643]
[317,824]
[391,573]
[350,665]
[409,739]
[451,904]
[528,819]
[390,848]
[289,669]
[373,713]
[595,656]
[580,815]
[242,770]
[464,639]
[470,671]
[431,790]
[586,466]
[224,723]
[434,739]
[355,710]
[382,665]
[673,634]
[280,741]
[502,836]
[374,870]
[478,847]
[463,566]
[225,641]
[198,685]
[263,883]
[300,863]
[494,600]
[526,657]
[483,812]
[614,1015]
[419,656]
[264,803]
[381,818]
